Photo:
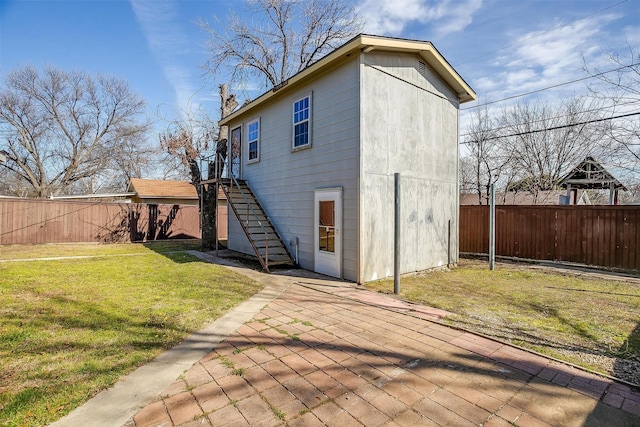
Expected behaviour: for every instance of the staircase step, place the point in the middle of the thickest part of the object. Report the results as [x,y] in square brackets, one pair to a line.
[272,241]
[264,238]
[284,262]
[273,252]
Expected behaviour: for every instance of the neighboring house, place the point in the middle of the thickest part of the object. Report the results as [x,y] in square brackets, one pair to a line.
[320,152]
[153,191]
[551,197]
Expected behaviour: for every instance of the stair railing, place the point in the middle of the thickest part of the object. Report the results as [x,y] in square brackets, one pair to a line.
[232,181]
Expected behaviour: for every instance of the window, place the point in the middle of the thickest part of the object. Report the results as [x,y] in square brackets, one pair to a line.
[253,140]
[302,123]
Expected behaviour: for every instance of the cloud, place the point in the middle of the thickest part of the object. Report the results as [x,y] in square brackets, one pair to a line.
[546,57]
[169,44]
[391,17]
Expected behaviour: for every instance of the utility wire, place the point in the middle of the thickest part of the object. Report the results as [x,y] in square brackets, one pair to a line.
[560,117]
[551,87]
[555,127]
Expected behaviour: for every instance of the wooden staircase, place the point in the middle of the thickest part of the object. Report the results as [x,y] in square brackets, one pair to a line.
[265,240]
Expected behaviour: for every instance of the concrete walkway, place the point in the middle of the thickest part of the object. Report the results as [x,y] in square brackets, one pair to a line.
[311,352]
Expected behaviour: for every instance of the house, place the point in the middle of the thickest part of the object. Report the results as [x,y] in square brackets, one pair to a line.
[320,151]
[158,192]
[547,197]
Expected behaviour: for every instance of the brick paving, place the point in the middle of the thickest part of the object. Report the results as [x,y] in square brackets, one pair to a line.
[338,356]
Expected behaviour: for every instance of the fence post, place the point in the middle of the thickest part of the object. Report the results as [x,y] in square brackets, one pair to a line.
[396,233]
[492,228]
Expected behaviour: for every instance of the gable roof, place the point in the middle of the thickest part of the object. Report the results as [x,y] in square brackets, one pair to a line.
[592,175]
[162,189]
[367,43]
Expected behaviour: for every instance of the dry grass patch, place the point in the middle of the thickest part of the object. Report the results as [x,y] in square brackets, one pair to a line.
[592,322]
[71,328]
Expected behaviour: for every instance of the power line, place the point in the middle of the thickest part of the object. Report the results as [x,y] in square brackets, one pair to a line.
[539,34]
[551,87]
[556,127]
[562,116]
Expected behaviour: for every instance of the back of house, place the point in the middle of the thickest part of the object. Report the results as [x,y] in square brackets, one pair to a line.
[320,152]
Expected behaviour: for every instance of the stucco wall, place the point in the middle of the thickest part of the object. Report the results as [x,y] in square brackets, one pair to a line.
[285,181]
[409,125]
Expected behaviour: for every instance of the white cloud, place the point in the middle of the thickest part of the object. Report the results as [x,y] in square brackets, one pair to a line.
[391,17]
[169,43]
[547,57]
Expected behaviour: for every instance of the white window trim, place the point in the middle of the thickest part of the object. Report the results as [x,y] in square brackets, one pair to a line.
[309,120]
[257,159]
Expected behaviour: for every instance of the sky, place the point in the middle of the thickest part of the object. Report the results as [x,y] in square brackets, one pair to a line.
[502,48]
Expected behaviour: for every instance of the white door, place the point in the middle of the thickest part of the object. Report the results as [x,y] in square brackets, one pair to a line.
[328,231]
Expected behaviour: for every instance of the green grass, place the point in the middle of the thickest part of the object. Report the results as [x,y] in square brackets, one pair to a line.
[12,252]
[71,328]
[563,315]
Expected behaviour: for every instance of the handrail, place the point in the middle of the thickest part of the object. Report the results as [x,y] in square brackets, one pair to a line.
[248,203]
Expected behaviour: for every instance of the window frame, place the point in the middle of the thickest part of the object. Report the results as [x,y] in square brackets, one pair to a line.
[256,140]
[308,120]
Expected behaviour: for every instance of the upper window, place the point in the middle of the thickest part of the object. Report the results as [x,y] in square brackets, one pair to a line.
[253,140]
[302,122]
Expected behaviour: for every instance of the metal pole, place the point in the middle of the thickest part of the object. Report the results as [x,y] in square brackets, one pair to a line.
[217,189]
[492,229]
[449,245]
[396,233]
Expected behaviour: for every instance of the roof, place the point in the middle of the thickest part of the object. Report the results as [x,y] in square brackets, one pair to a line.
[550,197]
[368,43]
[592,175]
[162,189]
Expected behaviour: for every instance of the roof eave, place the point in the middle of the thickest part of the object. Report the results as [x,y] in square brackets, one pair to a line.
[368,43]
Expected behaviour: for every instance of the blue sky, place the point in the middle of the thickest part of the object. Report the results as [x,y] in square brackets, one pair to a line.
[500,47]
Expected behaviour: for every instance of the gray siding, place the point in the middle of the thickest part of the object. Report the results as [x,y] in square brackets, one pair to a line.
[410,126]
[284,181]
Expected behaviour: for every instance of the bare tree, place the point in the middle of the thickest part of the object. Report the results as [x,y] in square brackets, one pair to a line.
[619,87]
[529,147]
[544,141]
[281,38]
[58,128]
[191,141]
[487,162]
[196,141]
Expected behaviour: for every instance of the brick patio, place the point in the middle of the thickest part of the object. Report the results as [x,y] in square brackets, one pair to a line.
[337,356]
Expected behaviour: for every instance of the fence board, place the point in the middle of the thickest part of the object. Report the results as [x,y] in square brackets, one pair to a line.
[604,236]
[27,221]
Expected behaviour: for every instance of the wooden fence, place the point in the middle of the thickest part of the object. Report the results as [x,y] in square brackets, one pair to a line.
[607,236]
[26,221]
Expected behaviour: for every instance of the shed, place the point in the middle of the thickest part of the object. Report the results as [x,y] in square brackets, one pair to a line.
[154,191]
[312,161]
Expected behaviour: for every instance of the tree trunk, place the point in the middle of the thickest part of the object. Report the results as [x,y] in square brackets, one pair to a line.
[209,214]
[228,103]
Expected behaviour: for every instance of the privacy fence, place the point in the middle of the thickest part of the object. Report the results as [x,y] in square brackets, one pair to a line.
[49,221]
[607,236]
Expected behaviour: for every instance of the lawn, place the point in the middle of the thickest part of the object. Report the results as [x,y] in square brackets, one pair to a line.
[587,321]
[71,328]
